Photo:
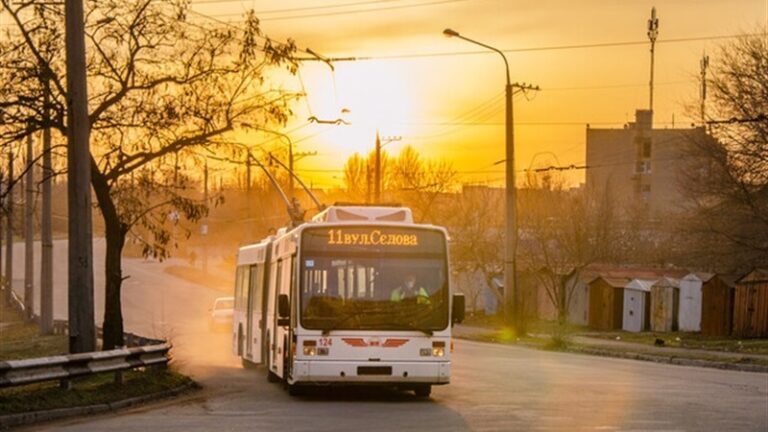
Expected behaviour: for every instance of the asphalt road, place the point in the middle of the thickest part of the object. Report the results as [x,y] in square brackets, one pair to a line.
[494,387]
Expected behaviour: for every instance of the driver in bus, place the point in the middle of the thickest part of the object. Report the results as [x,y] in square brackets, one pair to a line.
[409,290]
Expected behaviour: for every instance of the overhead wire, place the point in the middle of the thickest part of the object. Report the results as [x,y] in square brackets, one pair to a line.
[356,11]
[299,9]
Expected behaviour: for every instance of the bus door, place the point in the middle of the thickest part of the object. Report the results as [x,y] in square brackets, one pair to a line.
[282,355]
[255,313]
[277,346]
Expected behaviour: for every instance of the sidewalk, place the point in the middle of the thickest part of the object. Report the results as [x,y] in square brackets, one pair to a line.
[631,350]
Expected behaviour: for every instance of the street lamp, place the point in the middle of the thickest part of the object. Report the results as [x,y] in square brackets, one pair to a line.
[511,190]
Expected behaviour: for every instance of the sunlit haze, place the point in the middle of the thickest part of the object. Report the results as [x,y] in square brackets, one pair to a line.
[445,96]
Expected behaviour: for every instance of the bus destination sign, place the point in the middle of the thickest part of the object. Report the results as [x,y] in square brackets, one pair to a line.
[371,237]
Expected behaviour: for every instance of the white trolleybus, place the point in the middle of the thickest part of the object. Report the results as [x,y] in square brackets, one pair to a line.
[359,295]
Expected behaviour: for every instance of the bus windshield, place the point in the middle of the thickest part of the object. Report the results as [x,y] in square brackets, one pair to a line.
[374,278]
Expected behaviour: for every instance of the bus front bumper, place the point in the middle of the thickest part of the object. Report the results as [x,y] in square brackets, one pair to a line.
[361,372]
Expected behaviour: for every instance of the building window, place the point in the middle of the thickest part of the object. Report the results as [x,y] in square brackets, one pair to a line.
[643,167]
[646,148]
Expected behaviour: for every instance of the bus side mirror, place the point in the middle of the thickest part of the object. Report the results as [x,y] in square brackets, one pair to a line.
[283,306]
[458,308]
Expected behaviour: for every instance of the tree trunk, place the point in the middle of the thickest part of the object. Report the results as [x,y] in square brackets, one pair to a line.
[115,231]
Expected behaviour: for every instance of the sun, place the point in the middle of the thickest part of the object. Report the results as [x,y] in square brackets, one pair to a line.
[369,96]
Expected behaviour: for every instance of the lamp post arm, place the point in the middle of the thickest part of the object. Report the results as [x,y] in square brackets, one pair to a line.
[501,53]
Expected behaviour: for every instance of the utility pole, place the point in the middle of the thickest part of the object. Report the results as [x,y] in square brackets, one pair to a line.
[204,228]
[704,63]
[6,292]
[29,233]
[290,168]
[511,292]
[82,332]
[653,33]
[367,182]
[46,230]
[9,226]
[377,177]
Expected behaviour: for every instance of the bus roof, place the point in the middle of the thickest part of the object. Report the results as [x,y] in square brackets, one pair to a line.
[364,214]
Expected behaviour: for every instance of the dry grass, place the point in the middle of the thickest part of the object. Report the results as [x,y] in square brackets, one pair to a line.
[92,390]
[19,340]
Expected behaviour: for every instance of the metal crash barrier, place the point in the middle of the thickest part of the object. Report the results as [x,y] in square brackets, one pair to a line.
[67,367]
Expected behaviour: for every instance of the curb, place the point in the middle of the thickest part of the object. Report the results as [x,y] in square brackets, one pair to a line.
[629,355]
[29,418]
[680,361]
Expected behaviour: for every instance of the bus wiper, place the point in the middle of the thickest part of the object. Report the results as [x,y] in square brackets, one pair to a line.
[337,324]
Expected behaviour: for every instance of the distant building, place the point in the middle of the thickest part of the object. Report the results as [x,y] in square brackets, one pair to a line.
[639,165]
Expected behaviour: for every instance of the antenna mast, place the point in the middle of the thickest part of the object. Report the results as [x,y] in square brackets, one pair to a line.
[653,33]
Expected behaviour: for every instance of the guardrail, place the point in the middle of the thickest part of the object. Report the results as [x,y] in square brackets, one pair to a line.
[139,352]
[67,367]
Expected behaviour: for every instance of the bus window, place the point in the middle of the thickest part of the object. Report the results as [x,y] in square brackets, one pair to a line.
[362,283]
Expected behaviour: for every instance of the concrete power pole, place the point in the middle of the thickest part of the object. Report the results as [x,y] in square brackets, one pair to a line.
[82,331]
[29,233]
[204,228]
[9,226]
[380,142]
[377,177]
[653,33]
[46,229]
[704,63]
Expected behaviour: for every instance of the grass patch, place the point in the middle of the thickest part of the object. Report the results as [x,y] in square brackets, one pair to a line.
[19,340]
[200,277]
[92,390]
[556,343]
[691,340]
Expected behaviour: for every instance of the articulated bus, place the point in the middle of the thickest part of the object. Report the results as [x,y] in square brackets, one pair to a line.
[358,295]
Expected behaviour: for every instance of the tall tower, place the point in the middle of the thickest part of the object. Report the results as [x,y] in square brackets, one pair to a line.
[704,64]
[653,33]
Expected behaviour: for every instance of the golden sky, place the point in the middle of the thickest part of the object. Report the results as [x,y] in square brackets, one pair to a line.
[410,80]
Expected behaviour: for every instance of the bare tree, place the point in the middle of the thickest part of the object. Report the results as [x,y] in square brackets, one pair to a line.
[408,179]
[727,181]
[562,232]
[161,86]
[475,221]
[421,183]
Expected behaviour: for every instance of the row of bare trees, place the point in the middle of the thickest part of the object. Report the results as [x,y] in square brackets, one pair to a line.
[407,178]
[161,87]
[726,185]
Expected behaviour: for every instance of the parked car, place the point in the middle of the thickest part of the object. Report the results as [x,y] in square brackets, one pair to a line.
[220,315]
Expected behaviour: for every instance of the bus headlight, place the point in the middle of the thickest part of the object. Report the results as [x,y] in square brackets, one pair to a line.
[310,348]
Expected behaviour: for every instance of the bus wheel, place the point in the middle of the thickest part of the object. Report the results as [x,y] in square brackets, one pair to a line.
[423,391]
